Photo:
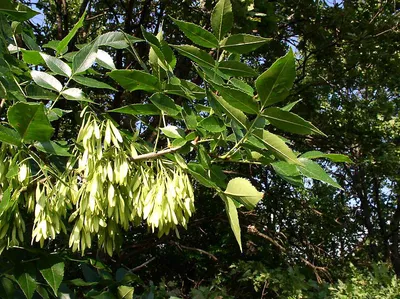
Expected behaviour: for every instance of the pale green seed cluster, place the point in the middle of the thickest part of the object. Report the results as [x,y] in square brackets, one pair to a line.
[12,184]
[103,189]
[116,193]
[50,207]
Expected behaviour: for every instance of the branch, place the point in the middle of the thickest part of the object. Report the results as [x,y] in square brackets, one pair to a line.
[253,230]
[155,155]
[143,265]
[213,257]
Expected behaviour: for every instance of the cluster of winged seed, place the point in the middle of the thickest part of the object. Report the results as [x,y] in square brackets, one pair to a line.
[114,192]
[13,183]
[102,189]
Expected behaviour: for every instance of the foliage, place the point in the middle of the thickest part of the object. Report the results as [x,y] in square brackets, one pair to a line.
[104,180]
[182,97]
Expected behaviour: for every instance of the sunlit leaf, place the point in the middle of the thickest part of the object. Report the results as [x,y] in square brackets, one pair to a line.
[135,80]
[244,192]
[290,122]
[222,18]
[65,41]
[138,109]
[312,170]
[85,58]
[236,68]
[201,57]
[45,80]
[243,43]
[274,84]
[197,34]
[165,104]
[57,65]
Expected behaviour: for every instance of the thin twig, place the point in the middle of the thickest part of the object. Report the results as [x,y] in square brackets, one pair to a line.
[105,11]
[155,154]
[213,257]
[253,230]
[143,265]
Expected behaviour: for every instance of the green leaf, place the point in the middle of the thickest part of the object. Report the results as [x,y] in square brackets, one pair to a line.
[244,192]
[32,57]
[53,44]
[288,172]
[85,58]
[42,292]
[285,168]
[30,120]
[290,122]
[200,174]
[237,98]
[222,18]
[165,104]
[105,60]
[45,80]
[243,86]
[332,157]
[12,171]
[194,89]
[7,287]
[168,54]
[230,111]
[189,116]
[9,136]
[173,132]
[201,57]
[135,80]
[30,42]
[56,113]
[65,41]
[116,40]
[125,292]
[18,11]
[212,124]
[150,38]
[274,84]
[157,60]
[138,109]
[25,277]
[36,92]
[233,217]
[243,43]
[236,68]
[210,74]
[277,146]
[197,34]
[50,147]
[290,106]
[90,82]
[57,65]
[81,283]
[52,270]
[312,170]
[74,94]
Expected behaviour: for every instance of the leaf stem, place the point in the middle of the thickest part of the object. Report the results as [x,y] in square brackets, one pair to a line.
[59,94]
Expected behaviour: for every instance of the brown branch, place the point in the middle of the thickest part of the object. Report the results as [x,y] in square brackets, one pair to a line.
[105,11]
[253,230]
[143,265]
[317,269]
[210,255]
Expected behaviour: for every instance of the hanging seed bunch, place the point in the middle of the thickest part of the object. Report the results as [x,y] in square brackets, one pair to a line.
[112,191]
[14,180]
